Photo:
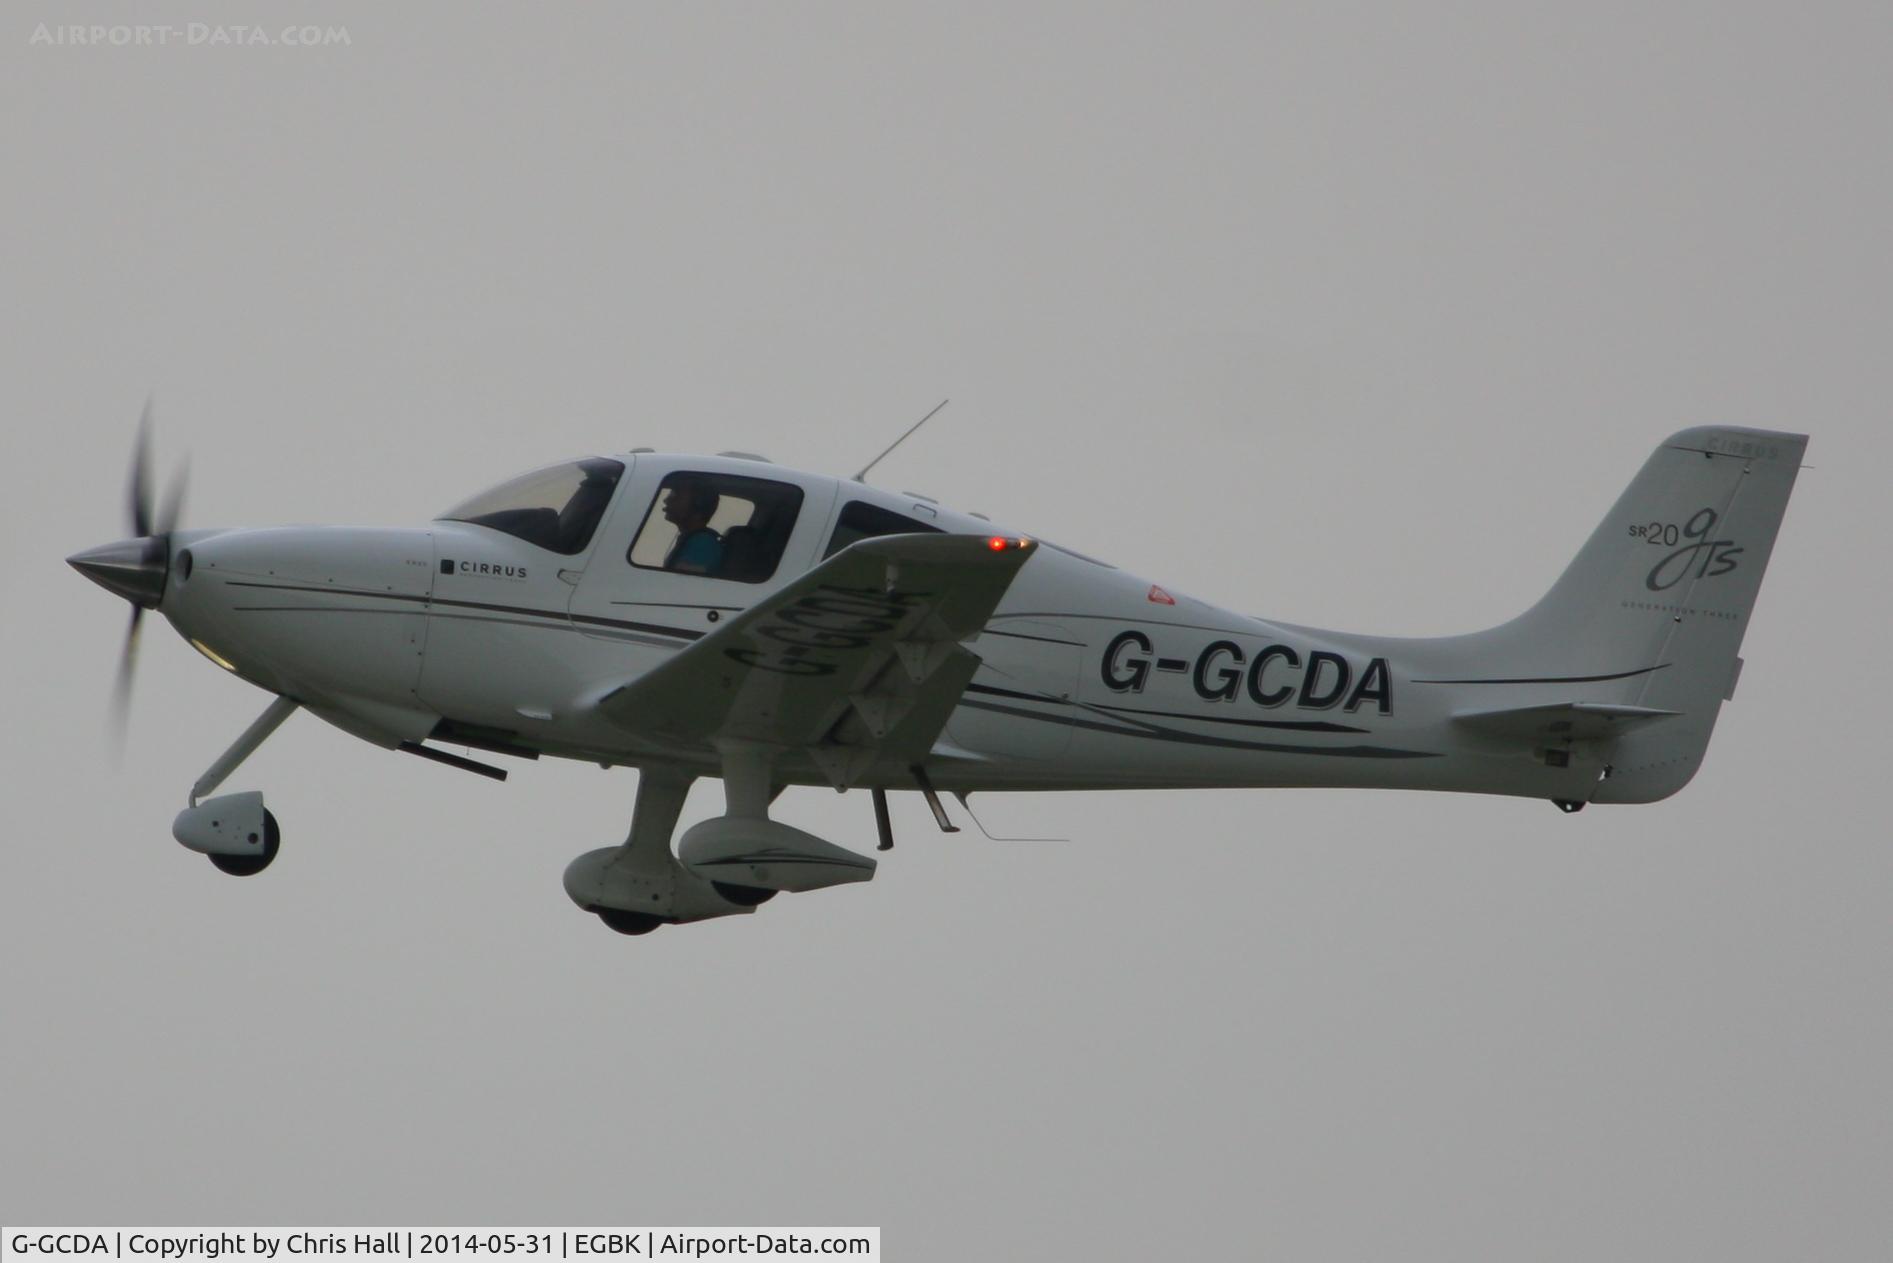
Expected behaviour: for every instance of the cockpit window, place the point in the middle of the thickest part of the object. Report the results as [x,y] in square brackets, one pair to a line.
[556,508]
[861,520]
[723,526]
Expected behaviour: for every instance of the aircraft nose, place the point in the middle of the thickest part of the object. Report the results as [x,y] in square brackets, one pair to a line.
[131,568]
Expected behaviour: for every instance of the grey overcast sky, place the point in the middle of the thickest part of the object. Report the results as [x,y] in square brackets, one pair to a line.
[1356,316]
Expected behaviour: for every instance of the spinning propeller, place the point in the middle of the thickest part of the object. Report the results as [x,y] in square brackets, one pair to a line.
[136,568]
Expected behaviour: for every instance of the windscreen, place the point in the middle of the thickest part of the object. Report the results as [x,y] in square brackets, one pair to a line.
[556,508]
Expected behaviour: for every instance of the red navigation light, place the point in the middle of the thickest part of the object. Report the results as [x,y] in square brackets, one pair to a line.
[997,543]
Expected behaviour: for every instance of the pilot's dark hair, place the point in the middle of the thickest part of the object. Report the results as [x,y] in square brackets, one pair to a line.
[703,497]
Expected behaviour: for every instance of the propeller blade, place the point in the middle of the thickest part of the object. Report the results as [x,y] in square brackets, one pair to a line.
[134,579]
[127,661]
[171,509]
[139,491]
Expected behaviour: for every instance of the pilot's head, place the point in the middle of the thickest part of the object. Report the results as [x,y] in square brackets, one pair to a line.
[690,504]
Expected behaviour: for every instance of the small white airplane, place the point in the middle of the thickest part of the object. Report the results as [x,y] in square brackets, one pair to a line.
[723,616]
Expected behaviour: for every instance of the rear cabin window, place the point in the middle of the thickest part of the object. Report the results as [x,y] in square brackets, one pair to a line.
[721,526]
[861,520]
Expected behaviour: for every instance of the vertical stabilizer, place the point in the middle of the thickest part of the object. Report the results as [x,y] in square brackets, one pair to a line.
[1652,611]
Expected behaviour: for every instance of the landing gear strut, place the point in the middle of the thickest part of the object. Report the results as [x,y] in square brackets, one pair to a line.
[239,835]
[639,886]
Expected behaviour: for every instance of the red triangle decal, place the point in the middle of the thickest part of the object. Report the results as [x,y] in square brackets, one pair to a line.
[1160,597]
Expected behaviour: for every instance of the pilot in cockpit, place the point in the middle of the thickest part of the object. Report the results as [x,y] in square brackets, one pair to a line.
[689,505]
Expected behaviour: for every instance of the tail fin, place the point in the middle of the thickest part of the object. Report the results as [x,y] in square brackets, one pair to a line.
[1651,612]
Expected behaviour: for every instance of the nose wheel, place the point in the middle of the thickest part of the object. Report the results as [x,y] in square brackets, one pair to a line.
[251,865]
[229,828]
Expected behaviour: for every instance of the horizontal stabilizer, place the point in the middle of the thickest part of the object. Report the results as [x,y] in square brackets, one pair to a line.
[1563,721]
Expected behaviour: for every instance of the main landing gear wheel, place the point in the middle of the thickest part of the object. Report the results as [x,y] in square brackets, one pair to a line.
[628,922]
[251,865]
[743,896]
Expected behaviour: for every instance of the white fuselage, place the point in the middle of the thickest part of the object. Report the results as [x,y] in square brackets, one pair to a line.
[1091,677]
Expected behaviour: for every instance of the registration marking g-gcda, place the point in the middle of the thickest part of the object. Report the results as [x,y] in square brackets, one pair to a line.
[813,634]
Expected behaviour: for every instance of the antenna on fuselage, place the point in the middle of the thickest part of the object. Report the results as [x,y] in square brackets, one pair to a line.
[863,475]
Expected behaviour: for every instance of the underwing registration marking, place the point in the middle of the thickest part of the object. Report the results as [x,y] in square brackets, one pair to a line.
[811,635]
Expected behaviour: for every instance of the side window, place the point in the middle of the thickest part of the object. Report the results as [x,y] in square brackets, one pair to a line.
[861,520]
[723,526]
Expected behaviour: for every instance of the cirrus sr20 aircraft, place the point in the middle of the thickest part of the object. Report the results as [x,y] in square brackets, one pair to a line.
[723,616]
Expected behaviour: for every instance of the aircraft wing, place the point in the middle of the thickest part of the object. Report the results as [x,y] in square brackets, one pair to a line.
[858,661]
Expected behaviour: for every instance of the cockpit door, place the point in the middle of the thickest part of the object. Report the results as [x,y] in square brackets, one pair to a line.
[657,580]
[505,564]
